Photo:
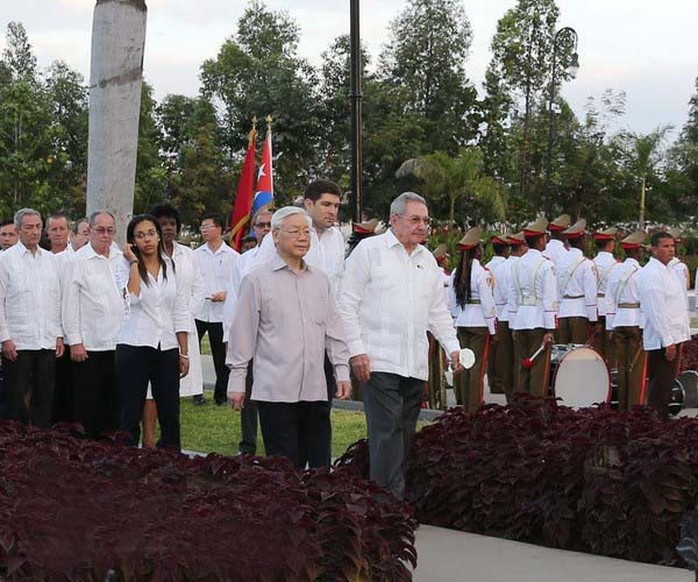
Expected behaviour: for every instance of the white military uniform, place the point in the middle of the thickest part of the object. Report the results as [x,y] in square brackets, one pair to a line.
[555,251]
[499,267]
[577,287]
[622,296]
[532,292]
[605,263]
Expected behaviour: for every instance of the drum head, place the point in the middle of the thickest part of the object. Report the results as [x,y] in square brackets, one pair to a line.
[582,378]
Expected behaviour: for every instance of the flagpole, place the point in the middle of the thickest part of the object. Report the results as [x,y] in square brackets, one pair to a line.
[355,96]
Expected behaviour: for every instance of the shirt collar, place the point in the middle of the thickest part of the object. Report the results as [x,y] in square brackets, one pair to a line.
[22,250]
[277,263]
[220,249]
[392,241]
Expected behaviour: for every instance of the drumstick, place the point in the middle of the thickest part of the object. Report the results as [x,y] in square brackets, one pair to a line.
[528,362]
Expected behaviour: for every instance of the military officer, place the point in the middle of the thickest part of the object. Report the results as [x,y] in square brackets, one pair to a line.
[576,288]
[533,299]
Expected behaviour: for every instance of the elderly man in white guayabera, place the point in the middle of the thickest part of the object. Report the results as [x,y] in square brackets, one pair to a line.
[392,294]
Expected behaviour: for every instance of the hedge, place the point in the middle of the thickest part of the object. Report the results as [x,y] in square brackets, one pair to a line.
[73,509]
[591,480]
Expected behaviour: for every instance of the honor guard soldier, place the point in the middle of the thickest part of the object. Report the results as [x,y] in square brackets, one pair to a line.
[605,262]
[472,307]
[533,299]
[499,366]
[556,249]
[623,320]
[576,287]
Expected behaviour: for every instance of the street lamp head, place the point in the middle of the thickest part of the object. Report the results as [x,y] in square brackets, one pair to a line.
[573,67]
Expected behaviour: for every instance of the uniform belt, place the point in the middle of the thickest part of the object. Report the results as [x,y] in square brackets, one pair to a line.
[573,296]
[473,302]
[601,295]
[629,305]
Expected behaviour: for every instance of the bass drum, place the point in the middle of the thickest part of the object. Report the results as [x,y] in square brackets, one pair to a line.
[689,386]
[581,378]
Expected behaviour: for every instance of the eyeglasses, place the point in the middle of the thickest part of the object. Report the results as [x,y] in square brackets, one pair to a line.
[296,233]
[205,227]
[417,220]
[148,234]
[262,224]
[105,230]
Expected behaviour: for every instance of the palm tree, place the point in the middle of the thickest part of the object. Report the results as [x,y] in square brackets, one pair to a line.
[459,177]
[645,154]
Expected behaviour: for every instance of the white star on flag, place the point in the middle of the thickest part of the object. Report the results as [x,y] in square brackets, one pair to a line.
[261,172]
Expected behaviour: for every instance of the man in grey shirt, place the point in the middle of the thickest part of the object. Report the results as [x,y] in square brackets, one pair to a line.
[285,319]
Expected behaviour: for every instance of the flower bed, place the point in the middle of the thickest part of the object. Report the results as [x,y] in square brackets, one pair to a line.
[689,355]
[591,480]
[75,509]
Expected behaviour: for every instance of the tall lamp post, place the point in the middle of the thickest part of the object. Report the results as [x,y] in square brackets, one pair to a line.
[355,96]
[568,37]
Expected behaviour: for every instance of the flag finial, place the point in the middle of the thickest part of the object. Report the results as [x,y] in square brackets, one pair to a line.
[269,120]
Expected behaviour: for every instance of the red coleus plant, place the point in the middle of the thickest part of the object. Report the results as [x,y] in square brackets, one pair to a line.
[689,354]
[590,480]
[72,509]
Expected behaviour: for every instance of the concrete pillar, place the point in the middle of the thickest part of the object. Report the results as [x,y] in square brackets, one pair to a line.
[116,74]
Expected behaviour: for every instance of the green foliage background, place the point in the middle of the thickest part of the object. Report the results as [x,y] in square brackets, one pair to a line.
[479,157]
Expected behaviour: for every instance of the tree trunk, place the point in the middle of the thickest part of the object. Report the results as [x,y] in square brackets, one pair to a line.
[116,75]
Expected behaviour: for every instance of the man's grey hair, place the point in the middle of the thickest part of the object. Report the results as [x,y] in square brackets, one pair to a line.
[399,205]
[281,214]
[96,213]
[20,214]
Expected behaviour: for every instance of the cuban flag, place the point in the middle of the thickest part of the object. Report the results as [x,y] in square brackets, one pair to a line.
[240,217]
[264,194]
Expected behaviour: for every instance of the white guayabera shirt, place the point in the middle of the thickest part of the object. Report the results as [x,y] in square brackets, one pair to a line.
[30,298]
[663,305]
[92,305]
[389,300]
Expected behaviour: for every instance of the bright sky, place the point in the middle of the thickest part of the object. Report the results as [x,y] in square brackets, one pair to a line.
[647,50]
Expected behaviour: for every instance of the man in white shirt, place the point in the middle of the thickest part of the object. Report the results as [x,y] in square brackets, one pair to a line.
[248,261]
[215,260]
[79,235]
[30,322]
[666,323]
[321,201]
[93,308]
[8,234]
[57,231]
[623,318]
[576,288]
[533,300]
[392,293]
[605,262]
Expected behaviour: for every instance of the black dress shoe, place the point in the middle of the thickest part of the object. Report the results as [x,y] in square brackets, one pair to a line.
[221,401]
[198,400]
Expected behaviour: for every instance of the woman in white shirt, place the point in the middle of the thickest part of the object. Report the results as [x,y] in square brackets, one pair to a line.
[472,306]
[152,344]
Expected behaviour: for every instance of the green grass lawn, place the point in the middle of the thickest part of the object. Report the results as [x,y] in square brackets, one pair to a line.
[210,428]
